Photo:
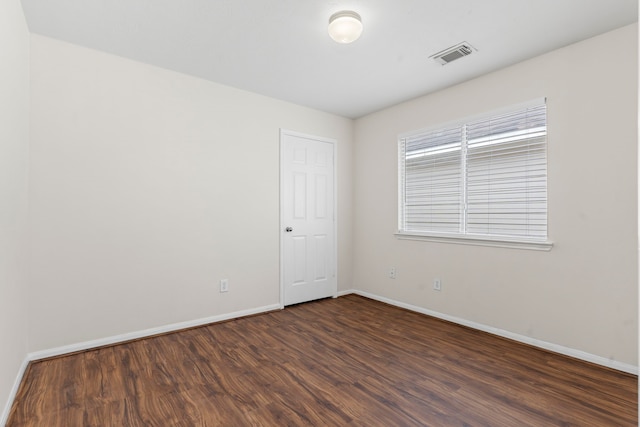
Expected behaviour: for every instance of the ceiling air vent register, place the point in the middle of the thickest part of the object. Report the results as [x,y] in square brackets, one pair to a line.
[454,52]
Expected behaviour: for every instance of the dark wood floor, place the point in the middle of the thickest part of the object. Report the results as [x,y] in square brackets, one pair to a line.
[335,362]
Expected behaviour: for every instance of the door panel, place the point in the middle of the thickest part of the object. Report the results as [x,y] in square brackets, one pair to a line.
[321,197]
[299,260]
[307,192]
[299,196]
[321,257]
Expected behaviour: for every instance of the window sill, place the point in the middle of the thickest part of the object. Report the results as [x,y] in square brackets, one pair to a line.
[535,245]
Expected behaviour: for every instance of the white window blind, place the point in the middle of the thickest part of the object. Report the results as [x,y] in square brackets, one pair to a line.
[482,177]
[432,185]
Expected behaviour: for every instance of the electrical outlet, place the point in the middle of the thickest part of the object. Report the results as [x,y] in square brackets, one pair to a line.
[224,285]
[437,284]
[392,273]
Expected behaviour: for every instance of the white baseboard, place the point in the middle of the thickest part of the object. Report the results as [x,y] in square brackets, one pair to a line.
[116,339]
[4,417]
[578,354]
[343,293]
[87,345]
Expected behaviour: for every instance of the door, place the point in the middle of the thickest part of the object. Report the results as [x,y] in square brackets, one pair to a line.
[308,248]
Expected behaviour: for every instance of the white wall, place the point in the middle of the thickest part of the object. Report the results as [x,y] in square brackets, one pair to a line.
[148,187]
[14,151]
[582,294]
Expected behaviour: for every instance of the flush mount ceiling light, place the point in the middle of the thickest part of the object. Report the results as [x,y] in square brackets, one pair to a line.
[345,27]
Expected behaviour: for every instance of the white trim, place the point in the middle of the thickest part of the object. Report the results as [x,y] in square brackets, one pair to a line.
[14,391]
[467,239]
[347,292]
[116,339]
[334,266]
[461,237]
[578,354]
[281,219]
[87,345]
[335,215]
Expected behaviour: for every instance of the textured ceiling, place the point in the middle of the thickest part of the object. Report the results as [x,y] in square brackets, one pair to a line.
[280,48]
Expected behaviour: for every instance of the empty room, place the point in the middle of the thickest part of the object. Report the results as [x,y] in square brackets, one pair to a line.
[285,212]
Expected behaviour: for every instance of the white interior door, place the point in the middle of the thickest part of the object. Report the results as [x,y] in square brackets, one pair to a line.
[308,254]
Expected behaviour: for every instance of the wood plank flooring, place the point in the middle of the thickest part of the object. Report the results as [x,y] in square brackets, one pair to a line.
[349,361]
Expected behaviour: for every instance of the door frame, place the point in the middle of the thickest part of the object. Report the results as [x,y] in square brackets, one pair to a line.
[334,260]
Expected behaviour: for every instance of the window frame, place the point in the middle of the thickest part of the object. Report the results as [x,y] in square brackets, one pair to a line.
[503,241]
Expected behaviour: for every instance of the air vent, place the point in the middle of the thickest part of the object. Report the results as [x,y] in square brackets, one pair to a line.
[454,52]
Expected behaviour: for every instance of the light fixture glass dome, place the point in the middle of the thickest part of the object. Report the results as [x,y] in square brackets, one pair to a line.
[345,27]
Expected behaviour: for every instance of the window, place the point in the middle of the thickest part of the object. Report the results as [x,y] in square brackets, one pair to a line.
[481,181]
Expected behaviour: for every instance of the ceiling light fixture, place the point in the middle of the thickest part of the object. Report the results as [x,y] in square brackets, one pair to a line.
[345,26]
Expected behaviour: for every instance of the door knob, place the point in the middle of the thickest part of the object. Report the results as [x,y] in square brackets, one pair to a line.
[288,229]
